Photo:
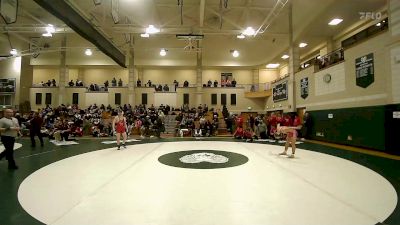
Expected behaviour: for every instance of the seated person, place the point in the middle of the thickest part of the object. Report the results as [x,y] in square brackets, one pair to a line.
[120,83]
[209,83]
[239,133]
[186,84]
[71,83]
[166,88]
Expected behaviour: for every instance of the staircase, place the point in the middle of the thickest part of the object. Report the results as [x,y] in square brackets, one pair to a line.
[170,124]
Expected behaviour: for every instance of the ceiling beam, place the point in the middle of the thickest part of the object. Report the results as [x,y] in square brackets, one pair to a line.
[226,19]
[259,8]
[202,10]
[63,11]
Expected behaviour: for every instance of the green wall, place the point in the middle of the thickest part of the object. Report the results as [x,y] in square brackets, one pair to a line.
[369,127]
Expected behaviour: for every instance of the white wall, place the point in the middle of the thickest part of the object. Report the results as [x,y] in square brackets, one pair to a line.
[268,75]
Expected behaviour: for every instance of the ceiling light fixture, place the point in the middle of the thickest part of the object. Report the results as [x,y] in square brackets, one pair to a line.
[285,57]
[249,31]
[273,65]
[163,52]
[241,36]
[152,30]
[47,35]
[302,45]
[50,28]
[13,51]
[335,22]
[235,53]
[88,52]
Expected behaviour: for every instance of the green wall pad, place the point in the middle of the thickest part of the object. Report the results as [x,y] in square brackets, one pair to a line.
[368,127]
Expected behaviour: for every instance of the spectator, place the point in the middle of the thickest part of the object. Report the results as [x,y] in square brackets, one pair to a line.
[120,83]
[53,83]
[215,83]
[114,82]
[149,83]
[176,84]
[166,88]
[186,84]
[42,84]
[233,82]
[35,128]
[48,83]
[71,83]
[106,84]
[228,83]
[138,83]
[209,83]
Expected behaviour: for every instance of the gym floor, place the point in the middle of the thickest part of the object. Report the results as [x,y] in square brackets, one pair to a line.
[246,183]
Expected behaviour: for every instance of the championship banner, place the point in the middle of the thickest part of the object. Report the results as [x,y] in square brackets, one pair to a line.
[304,87]
[365,70]
[280,92]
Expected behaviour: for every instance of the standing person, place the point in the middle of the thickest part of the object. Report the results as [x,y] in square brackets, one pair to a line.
[291,136]
[9,129]
[36,125]
[119,127]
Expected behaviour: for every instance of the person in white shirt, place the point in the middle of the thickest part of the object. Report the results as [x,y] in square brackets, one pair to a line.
[9,129]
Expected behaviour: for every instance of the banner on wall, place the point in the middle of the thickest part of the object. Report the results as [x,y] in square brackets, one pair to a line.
[365,70]
[304,87]
[280,92]
[225,79]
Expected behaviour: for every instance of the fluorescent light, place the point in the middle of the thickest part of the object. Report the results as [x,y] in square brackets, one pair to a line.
[47,34]
[50,28]
[249,31]
[273,65]
[378,24]
[88,52]
[335,22]
[152,30]
[235,53]
[240,36]
[13,51]
[146,35]
[302,45]
[163,52]
[285,57]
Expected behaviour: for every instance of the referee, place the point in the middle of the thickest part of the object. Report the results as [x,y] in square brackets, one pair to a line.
[9,129]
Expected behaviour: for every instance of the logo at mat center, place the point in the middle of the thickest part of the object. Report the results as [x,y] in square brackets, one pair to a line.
[204,157]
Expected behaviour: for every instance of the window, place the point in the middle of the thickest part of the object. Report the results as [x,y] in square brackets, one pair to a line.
[118,98]
[38,98]
[213,99]
[233,99]
[223,99]
[144,98]
[185,98]
[75,98]
[48,99]
[5,100]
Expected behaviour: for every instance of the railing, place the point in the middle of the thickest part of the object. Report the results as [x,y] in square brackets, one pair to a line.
[257,87]
[329,59]
[322,62]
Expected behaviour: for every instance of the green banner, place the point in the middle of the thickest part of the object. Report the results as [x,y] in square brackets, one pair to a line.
[365,70]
